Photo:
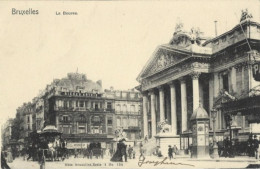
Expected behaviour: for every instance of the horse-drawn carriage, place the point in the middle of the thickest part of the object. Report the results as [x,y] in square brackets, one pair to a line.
[94,150]
[47,145]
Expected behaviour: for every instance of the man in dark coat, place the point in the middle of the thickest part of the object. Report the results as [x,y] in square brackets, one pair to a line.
[256,146]
[250,145]
[170,152]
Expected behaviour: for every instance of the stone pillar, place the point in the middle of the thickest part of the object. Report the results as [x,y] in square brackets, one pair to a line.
[211,101]
[216,84]
[145,118]
[233,79]
[195,87]
[161,95]
[173,108]
[57,122]
[153,113]
[184,112]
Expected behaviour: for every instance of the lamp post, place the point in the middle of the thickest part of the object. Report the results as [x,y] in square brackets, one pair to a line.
[215,147]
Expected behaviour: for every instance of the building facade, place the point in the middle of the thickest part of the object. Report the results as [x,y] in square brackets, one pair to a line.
[191,70]
[127,112]
[77,107]
[6,134]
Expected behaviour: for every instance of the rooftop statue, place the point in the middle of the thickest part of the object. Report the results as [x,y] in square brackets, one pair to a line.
[178,27]
[245,15]
[195,35]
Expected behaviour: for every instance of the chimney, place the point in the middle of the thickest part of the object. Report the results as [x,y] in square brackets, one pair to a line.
[216,32]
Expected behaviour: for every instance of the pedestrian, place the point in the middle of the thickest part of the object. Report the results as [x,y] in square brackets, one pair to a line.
[133,154]
[141,151]
[174,151]
[130,150]
[4,164]
[159,152]
[256,147]
[170,152]
[226,147]
[250,146]
[146,139]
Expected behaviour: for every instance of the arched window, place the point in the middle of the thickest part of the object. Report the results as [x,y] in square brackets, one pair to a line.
[82,119]
[124,108]
[132,108]
[118,122]
[118,108]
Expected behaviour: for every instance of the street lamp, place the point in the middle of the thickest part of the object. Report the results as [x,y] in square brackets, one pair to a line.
[215,147]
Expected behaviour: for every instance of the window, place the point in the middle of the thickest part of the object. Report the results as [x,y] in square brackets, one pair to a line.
[82,129]
[96,106]
[70,103]
[96,119]
[65,118]
[125,123]
[124,108]
[118,108]
[82,119]
[66,130]
[132,108]
[65,104]
[28,127]
[28,119]
[96,130]
[109,130]
[109,121]
[225,82]
[81,104]
[109,105]
[118,122]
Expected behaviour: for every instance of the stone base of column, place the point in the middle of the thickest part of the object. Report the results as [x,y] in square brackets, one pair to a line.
[165,139]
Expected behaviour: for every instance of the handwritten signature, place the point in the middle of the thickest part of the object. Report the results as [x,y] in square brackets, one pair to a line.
[156,163]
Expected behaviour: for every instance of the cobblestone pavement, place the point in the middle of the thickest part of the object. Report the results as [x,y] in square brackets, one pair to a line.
[149,162]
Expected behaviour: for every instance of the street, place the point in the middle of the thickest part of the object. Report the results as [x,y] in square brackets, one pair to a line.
[148,162]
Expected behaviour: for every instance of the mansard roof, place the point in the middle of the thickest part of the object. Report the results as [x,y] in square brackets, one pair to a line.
[76,81]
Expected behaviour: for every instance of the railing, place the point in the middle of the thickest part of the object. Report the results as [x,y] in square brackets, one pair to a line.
[84,109]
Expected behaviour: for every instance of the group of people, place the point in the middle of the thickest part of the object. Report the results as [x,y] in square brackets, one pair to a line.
[253,147]
[230,148]
[172,151]
[123,151]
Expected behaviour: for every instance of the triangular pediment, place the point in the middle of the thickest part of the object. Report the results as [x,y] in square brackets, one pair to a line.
[162,58]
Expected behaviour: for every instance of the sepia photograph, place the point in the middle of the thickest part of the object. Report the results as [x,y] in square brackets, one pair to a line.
[130,84]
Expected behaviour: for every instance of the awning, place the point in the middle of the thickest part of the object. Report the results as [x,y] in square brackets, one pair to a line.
[249,106]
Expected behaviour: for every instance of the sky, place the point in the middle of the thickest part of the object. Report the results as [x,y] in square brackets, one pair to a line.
[107,40]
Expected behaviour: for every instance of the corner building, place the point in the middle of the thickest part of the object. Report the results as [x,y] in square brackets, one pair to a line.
[78,108]
[191,70]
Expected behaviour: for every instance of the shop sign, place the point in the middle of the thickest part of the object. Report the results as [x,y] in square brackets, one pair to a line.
[77,145]
[256,71]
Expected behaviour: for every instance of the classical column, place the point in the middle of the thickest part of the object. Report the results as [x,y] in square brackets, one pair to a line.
[195,87]
[216,84]
[153,114]
[173,108]
[161,95]
[57,122]
[233,79]
[183,105]
[211,101]
[145,118]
